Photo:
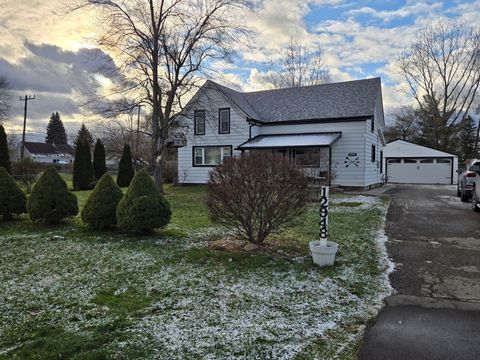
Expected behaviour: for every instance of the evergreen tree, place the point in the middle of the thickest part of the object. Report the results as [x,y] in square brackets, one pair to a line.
[467,138]
[99,164]
[84,133]
[50,200]
[83,177]
[56,131]
[125,168]
[143,208]
[4,157]
[99,210]
[12,198]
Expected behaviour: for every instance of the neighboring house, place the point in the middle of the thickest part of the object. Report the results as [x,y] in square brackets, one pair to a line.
[411,163]
[49,154]
[333,131]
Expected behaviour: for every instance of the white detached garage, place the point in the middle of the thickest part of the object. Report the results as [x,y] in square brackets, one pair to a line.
[409,163]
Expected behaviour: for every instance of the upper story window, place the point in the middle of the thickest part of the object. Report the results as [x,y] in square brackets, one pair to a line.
[372,125]
[374,153]
[224,121]
[199,122]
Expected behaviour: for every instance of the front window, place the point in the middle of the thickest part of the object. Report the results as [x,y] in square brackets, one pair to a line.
[224,121]
[307,157]
[199,122]
[211,155]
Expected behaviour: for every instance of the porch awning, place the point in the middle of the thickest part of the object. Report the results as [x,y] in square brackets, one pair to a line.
[290,141]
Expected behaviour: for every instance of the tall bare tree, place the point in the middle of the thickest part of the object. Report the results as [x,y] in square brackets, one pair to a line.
[160,47]
[442,69]
[405,126]
[298,66]
[4,97]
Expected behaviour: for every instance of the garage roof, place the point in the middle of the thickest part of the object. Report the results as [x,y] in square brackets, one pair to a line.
[403,148]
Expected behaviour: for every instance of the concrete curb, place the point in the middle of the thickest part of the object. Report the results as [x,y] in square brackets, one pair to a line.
[432,303]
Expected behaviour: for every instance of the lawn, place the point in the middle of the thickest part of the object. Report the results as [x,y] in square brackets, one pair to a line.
[69,293]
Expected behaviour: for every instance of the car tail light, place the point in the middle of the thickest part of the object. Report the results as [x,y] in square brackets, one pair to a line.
[471,174]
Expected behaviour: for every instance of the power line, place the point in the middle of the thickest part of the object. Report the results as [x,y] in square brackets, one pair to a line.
[26,99]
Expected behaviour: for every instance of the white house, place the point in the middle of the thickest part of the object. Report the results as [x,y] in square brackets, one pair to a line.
[411,163]
[49,154]
[334,129]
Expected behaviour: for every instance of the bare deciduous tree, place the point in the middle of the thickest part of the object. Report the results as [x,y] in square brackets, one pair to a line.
[160,47]
[5,97]
[405,126]
[442,69]
[298,66]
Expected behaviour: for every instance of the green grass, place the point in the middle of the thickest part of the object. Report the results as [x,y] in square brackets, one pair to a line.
[70,293]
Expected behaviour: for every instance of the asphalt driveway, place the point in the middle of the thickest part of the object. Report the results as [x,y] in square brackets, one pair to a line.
[434,241]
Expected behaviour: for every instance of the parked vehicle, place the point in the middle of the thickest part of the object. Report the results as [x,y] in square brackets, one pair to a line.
[476,195]
[466,180]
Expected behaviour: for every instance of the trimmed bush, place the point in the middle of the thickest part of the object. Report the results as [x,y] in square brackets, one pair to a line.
[12,198]
[50,200]
[4,155]
[99,210]
[83,178]
[143,208]
[125,168]
[99,164]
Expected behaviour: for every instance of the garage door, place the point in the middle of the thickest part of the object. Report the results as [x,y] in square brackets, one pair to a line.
[420,171]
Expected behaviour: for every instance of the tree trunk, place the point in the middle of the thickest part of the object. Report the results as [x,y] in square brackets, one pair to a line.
[158,169]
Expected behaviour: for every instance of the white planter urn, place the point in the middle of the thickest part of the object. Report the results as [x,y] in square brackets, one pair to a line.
[323,255]
[323,251]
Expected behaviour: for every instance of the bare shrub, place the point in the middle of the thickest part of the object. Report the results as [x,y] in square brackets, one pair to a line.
[25,172]
[256,194]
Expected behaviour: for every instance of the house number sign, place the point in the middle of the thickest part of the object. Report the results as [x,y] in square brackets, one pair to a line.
[324,216]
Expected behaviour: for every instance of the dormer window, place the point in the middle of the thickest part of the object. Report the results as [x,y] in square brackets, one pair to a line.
[224,121]
[199,122]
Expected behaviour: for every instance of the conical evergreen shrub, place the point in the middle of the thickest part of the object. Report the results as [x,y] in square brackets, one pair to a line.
[12,198]
[99,210]
[83,178]
[50,200]
[143,208]
[4,156]
[99,164]
[125,168]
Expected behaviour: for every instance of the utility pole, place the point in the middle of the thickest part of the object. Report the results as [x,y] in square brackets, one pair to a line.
[26,99]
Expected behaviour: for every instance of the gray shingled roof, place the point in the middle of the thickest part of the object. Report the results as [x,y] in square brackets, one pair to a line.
[350,99]
[38,148]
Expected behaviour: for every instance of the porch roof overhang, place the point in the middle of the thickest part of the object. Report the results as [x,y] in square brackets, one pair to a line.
[290,141]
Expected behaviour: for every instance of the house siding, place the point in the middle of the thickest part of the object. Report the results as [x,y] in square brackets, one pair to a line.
[352,141]
[210,100]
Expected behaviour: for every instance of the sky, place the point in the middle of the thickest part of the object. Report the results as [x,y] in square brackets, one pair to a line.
[55,57]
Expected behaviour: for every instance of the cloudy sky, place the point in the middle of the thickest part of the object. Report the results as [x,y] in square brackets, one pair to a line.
[55,57]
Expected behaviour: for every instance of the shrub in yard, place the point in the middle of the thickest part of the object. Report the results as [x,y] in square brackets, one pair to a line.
[125,168]
[4,154]
[99,210]
[50,200]
[25,171]
[99,164]
[143,208]
[256,194]
[12,198]
[83,177]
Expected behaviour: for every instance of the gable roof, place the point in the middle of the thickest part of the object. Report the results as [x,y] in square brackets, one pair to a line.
[38,148]
[403,148]
[343,100]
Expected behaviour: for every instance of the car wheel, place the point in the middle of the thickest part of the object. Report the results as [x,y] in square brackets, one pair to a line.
[464,196]
[475,204]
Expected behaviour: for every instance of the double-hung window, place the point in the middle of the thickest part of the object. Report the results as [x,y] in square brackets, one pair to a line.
[199,122]
[210,155]
[224,121]
[374,153]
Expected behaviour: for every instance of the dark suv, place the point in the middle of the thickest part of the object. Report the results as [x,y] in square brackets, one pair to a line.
[466,180]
